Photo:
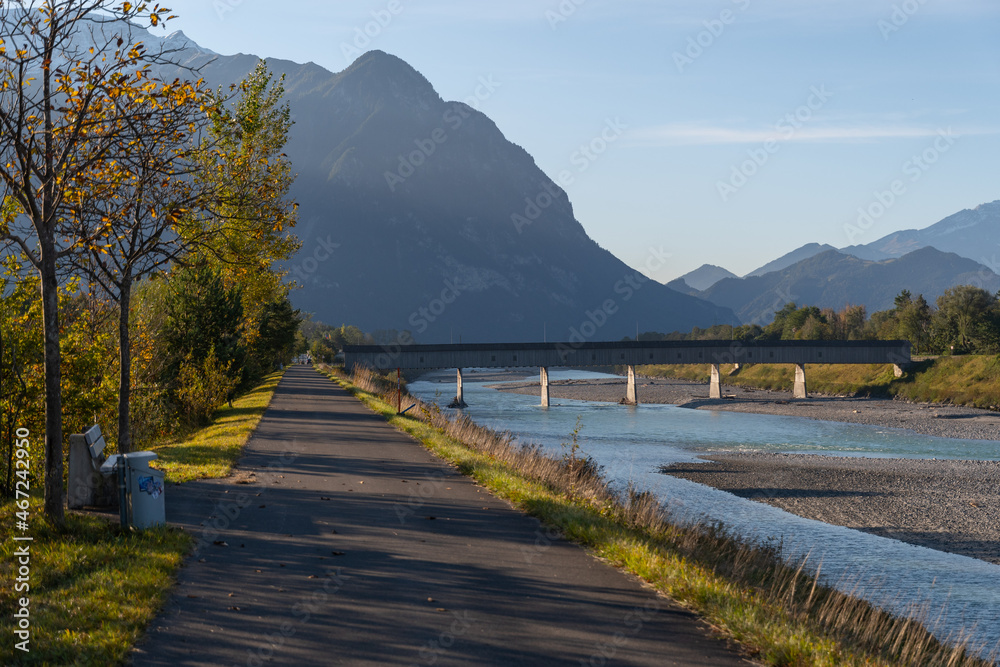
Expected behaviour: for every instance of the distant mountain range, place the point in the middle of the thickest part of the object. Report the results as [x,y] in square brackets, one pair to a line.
[972,233]
[701,278]
[795,256]
[833,279]
[961,249]
[418,214]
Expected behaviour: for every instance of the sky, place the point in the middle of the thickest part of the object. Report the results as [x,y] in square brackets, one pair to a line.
[726,132]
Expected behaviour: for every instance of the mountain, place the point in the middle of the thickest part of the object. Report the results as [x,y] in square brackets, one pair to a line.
[833,280]
[972,233]
[702,278]
[795,256]
[417,213]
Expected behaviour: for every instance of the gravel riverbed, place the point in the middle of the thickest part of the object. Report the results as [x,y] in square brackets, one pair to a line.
[950,506]
[946,505]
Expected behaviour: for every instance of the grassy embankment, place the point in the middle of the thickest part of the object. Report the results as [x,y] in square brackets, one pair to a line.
[777,612]
[94,586]
[972,380]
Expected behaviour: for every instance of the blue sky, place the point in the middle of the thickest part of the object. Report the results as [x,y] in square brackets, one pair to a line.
[744,128]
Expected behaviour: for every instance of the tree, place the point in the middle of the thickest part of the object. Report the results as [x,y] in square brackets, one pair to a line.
[203,317]
[247,232]
[276,340]
[67,70]
[967,318]
[140,209]
[913,321]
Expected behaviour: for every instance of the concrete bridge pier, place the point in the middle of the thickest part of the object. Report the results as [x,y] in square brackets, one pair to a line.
[459,401]
[715,387]
[545,386]
[800,382]
[631,397]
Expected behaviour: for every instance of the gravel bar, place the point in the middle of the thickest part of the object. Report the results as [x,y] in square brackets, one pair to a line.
[946,505]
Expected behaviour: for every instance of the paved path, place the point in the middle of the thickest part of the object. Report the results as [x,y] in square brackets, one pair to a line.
[350,544]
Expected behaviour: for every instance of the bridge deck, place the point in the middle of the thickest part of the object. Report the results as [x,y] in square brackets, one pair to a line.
[548,355]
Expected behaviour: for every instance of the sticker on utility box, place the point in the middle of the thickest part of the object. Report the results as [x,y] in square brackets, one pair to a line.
[151,485]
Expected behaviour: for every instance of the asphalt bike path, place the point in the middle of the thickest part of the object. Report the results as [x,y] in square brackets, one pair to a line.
[341,541]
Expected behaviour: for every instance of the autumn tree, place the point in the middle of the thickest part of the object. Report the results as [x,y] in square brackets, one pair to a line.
[68,72]
[248,231]
[141,206]
[968,319]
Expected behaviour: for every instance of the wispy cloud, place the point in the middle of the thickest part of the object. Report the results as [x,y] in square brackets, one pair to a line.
[681,134]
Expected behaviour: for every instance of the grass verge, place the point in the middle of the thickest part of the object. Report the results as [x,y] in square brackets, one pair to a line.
[971,380]
[213,451]
[95,587]
[778,613]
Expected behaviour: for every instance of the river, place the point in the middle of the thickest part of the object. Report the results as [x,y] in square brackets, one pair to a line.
[631,443]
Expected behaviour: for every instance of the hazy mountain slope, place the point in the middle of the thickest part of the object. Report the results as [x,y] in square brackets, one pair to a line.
[972,233]
[834,280]
[793,257]
[418,194]
[703,277]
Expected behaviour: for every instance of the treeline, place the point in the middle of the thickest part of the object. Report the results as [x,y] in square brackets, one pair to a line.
[142,221]
[324,342]
[964,320]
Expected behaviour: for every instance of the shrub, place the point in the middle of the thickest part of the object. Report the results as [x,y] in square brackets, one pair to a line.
[203,387]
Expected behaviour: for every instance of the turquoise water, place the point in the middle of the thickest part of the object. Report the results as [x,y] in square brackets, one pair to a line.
[631,443]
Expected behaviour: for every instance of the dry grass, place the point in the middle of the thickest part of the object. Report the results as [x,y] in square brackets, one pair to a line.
[970,380]
[779,612]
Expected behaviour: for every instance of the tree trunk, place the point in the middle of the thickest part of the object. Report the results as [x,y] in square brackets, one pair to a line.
[53,390]
[125,373]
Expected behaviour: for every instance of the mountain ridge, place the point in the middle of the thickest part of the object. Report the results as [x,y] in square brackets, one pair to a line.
[420,196]
[833,279]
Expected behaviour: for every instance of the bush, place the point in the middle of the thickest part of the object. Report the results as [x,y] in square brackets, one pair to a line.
[201,388]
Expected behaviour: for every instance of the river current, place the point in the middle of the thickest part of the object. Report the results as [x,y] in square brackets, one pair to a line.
[631,443]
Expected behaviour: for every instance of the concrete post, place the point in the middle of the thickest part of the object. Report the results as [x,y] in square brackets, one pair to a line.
[800,382]
[459,401]
[545,387]
[631,398]
[715,386]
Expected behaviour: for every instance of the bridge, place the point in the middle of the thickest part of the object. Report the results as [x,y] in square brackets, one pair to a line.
[629,354]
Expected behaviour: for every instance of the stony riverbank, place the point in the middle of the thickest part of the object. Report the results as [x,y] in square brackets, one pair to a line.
[950,506]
